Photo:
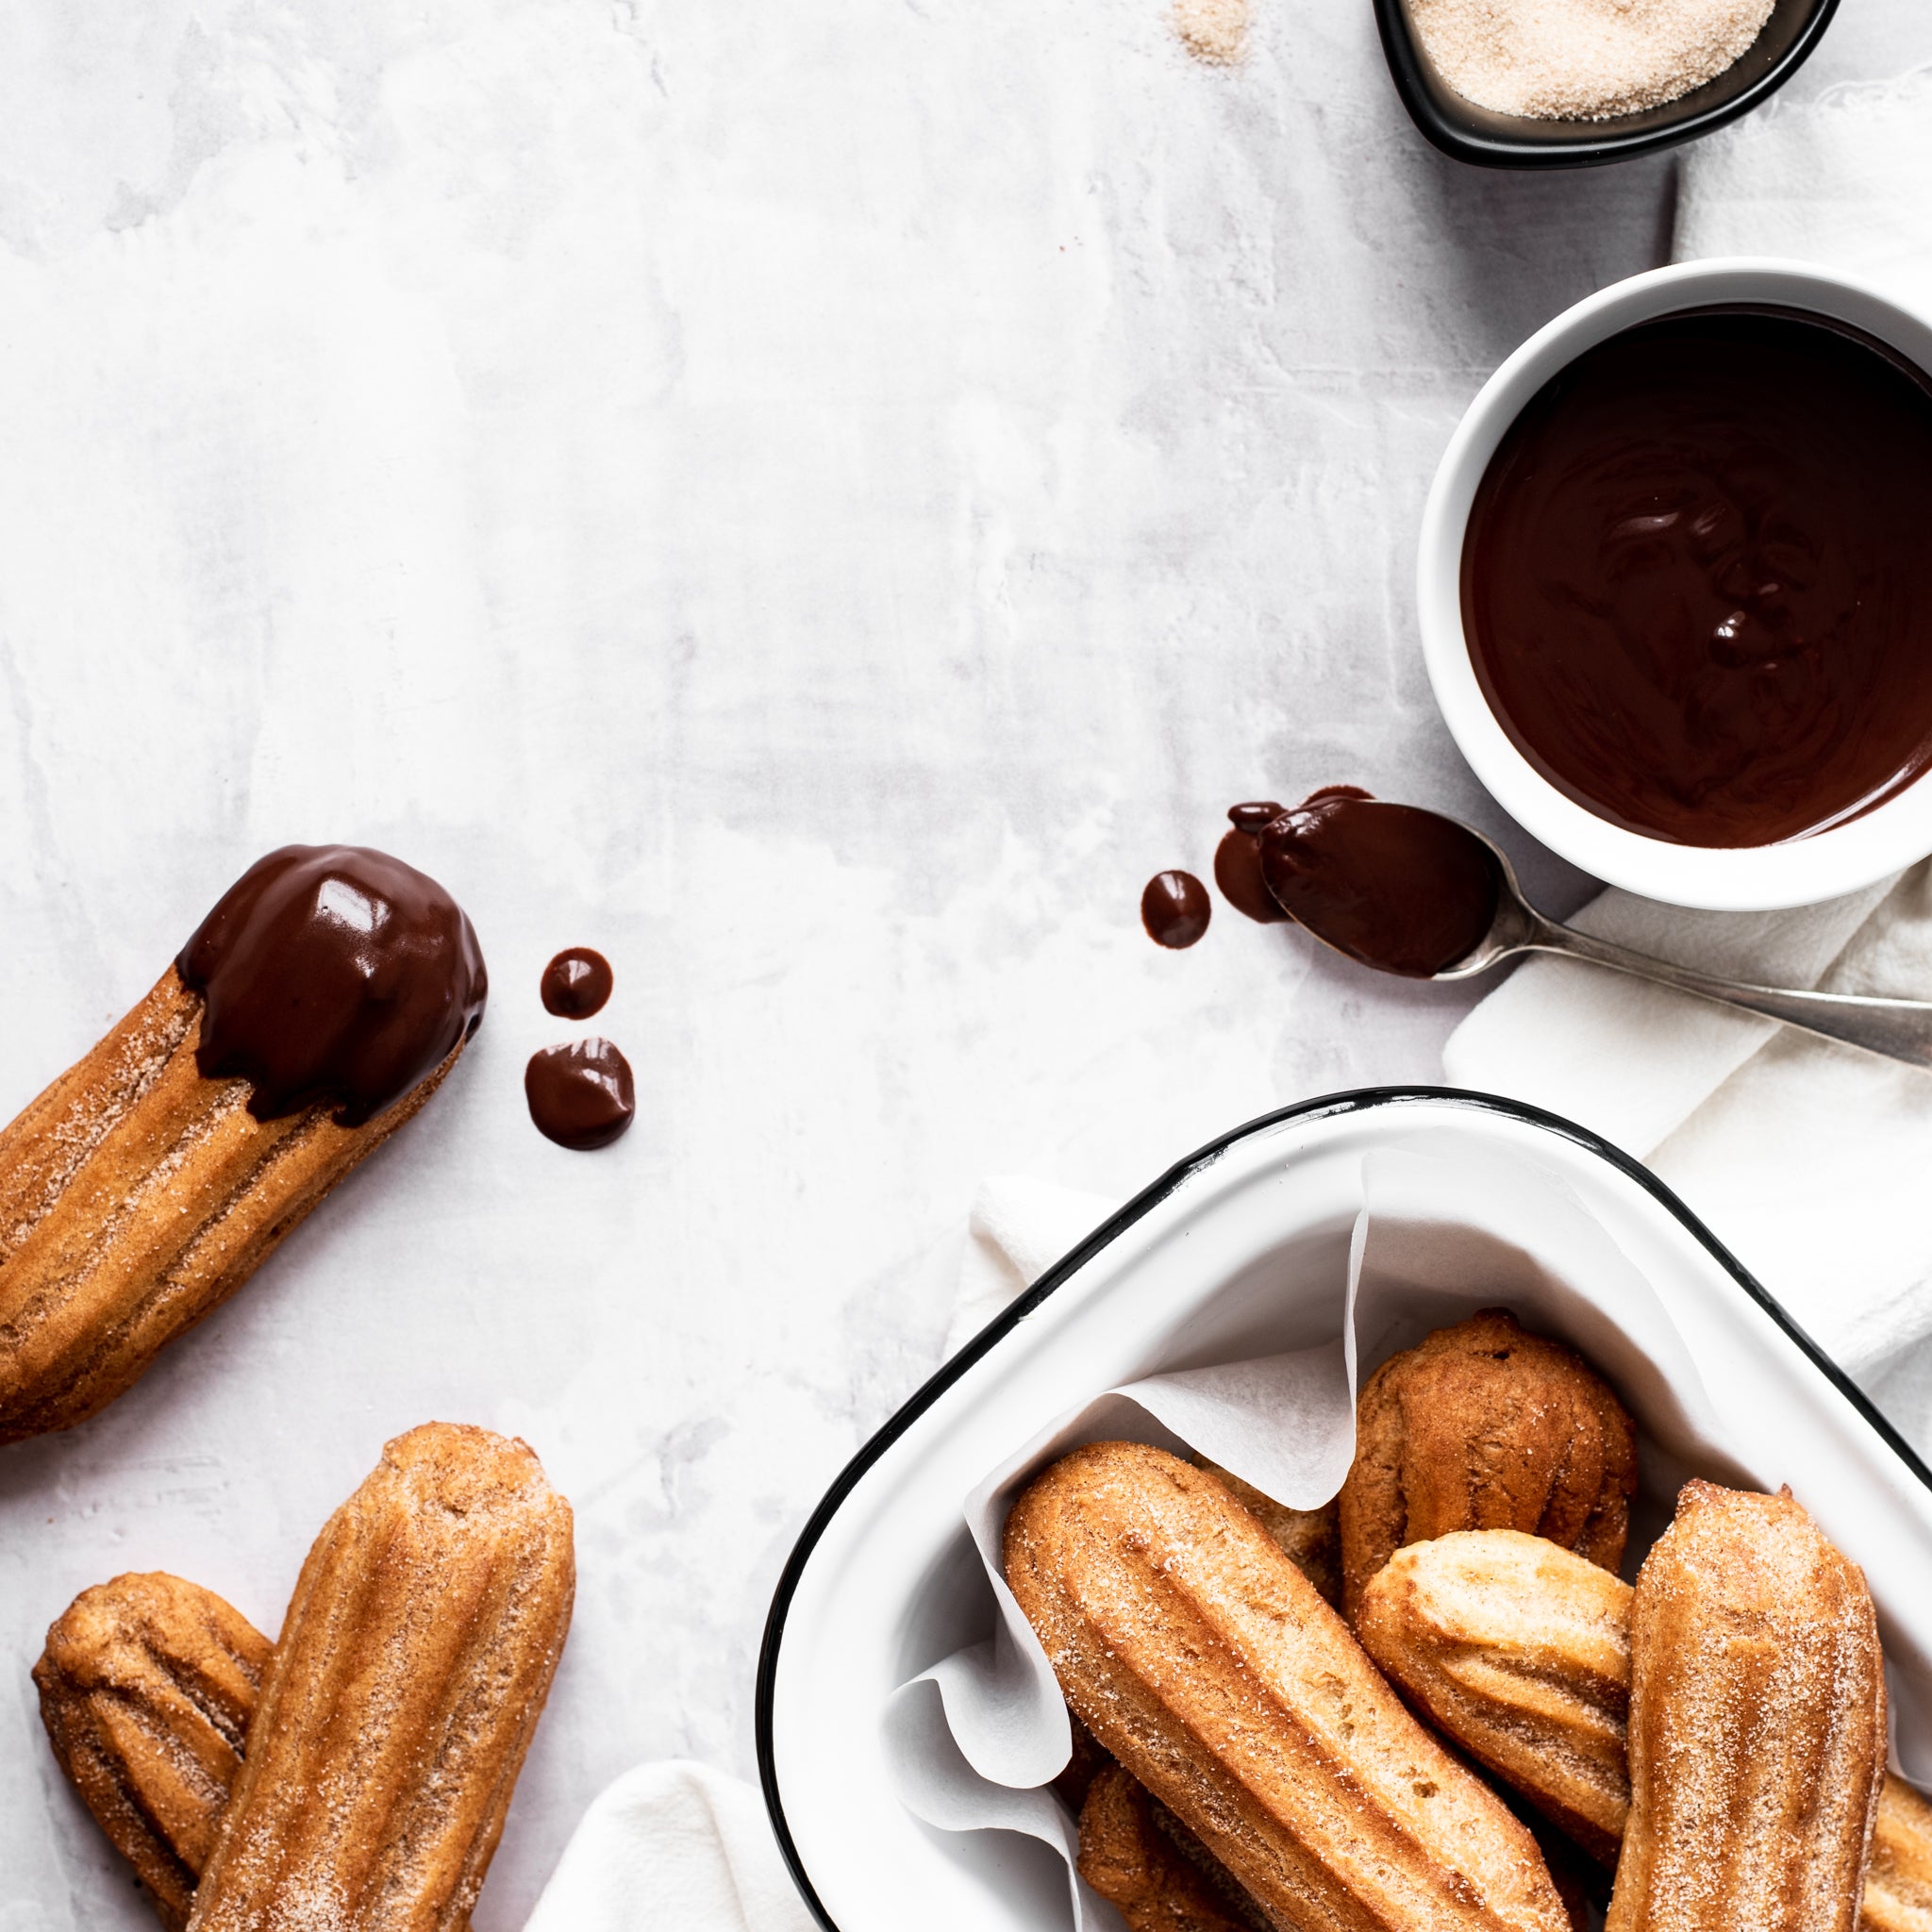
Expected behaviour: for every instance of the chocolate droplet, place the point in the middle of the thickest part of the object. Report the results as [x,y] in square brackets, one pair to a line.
[581,1095]
[1175,908]
[577,983]
[1238,864]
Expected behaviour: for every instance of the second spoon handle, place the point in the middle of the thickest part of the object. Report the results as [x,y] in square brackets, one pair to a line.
[1899,1029]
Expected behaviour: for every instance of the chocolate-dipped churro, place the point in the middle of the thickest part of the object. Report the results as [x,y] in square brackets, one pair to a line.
[316,1007]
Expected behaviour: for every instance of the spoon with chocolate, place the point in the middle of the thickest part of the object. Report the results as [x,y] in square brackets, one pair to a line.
[1411,892]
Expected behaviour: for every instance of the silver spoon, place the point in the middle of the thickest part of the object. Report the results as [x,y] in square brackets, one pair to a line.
[1899,1029]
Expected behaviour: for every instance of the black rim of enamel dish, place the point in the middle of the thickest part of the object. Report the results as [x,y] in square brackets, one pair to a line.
[1362,1100]
[1488,140]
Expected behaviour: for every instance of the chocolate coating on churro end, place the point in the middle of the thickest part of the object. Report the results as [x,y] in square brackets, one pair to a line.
[333,976]
[1484,1426]
[147,1685]
[1757,1735]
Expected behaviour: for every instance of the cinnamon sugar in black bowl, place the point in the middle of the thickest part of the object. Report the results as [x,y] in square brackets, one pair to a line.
[1488,140]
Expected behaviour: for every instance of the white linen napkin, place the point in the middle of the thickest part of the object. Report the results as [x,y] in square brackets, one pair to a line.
[1807,1159]
[673,1847]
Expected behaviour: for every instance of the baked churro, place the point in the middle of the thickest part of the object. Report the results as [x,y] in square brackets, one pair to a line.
[1208,1665]
[1518,1650]
[1898,1881]
[1757,1724]
[1484,1426]
[314,1010]
[1145,1863]
[1309,1539]
[418,1650]
[147,1685]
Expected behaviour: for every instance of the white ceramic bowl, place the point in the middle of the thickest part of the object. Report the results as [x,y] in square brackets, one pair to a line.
[1799,872]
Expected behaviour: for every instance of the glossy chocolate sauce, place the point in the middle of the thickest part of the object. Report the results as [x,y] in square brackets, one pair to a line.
[1238,858]
[1697,577]
[1175,908]
[1398,887]
[577,983]
[333,976]
[1238,862]
[581,1095]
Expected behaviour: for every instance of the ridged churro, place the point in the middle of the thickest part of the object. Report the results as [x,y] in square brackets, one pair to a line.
[413,1665]
[147,1685]
[1898,1881]
[313,1012]
[1145,1863]
[1484,1426]
[1757,1724]
[1208,1665]
[1309,1539]
[1518,1650]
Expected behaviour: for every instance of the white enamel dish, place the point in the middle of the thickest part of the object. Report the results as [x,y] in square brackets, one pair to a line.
[1235,1252]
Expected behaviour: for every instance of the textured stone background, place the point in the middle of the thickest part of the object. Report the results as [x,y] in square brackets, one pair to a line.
[819,501]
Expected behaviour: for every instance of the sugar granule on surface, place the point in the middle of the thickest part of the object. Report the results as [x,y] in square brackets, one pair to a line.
[1215,31]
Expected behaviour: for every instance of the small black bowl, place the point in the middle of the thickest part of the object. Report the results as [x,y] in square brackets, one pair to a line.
[1470,133]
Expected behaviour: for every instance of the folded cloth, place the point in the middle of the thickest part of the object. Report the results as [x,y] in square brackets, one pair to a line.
[673,1847]
[1806,1158]
[1840,180]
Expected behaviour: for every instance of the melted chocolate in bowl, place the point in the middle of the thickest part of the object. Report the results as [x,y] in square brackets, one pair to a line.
[1695,577]
[332,974]
[1395,887]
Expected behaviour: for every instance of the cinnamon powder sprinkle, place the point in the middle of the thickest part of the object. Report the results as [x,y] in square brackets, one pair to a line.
[1583,59]
[1215,31]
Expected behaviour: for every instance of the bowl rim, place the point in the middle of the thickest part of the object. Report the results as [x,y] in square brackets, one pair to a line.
[1359,1100]
[1797,871]
[1463,142]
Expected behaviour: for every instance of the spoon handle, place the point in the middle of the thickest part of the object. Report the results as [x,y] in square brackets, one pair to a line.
[1899,1029]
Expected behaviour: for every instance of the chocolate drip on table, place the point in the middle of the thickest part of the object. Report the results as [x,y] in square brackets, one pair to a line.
[1402,890]
[1238,862]
[577,983]
[332,975]
[1238,858]
[1175,908]
[581,1095]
